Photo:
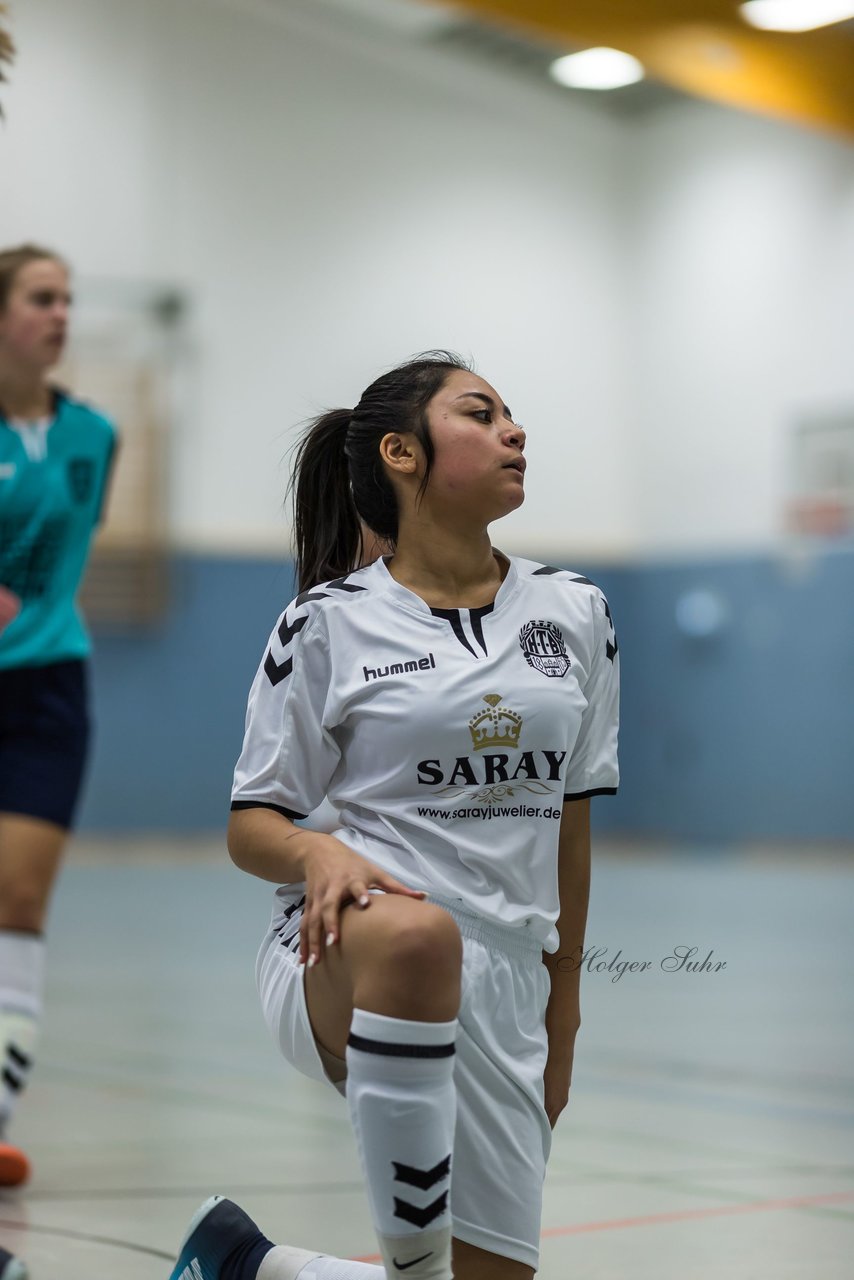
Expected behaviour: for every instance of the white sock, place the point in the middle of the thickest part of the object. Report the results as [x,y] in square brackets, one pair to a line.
[341,1269]
[403,1104]
[21,986]
[284,1263]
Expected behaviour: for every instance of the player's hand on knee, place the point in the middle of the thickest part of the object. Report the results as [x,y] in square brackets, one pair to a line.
[334,877]
[10,607]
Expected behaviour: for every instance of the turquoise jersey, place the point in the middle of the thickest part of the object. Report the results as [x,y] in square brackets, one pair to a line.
[48,510]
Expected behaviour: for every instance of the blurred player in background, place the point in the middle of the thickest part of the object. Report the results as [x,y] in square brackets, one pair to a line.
[10,1268]
[55,459]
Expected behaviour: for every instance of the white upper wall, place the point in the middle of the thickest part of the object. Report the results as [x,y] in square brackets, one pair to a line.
[656,300]
[742,297]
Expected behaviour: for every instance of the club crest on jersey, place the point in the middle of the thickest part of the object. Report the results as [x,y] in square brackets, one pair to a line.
[543,647]
[81,478]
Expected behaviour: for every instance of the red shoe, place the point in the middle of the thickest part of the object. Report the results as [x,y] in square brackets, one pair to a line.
[14,1166]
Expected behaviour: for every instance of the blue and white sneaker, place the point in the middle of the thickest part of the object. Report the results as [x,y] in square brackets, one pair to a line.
[219,1234]
[11,1268]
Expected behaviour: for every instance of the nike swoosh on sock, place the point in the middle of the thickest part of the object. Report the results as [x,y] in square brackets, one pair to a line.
[404,1266]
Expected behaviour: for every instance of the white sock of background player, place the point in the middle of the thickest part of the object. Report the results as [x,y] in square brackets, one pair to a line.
[21,984]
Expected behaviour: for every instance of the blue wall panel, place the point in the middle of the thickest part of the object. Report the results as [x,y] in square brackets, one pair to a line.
[745,734]
[170,701]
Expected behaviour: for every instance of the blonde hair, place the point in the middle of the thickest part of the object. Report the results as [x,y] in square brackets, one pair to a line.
[12,260]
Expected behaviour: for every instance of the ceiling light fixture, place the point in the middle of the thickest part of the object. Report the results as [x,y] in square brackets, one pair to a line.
[597,69]
[796,15]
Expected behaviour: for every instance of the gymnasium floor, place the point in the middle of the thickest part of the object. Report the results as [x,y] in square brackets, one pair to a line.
[709,1133]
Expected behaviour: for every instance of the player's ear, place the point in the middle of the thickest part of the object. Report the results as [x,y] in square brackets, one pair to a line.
[398,452]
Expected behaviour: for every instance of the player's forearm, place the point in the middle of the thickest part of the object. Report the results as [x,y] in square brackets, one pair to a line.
[563,1015]
[268,845]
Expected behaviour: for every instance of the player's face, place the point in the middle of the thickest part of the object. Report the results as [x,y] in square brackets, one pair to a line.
[34,324]
[478,448]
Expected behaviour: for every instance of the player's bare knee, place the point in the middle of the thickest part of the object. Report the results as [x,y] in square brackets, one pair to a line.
[426,947]
[411,954]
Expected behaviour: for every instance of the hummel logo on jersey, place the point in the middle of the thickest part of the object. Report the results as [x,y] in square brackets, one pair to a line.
[399,668]
[193,1271]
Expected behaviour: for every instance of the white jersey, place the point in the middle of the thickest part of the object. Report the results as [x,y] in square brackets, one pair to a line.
[448,739]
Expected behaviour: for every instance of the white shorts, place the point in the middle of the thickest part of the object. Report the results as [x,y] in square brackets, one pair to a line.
[503,1137]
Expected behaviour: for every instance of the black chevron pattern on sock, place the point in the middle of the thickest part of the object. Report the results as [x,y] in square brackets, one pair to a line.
[424,1179]
[19,1058]
[12,1081]
[420,1218]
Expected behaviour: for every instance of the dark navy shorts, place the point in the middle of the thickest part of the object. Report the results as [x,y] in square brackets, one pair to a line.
[44,736]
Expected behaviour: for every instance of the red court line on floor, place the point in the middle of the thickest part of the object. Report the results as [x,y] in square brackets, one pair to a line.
[682,1215]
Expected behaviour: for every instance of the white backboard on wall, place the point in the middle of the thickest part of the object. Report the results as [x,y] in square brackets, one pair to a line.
[821,495]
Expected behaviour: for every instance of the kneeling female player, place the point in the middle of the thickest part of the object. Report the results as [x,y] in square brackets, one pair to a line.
[459,708]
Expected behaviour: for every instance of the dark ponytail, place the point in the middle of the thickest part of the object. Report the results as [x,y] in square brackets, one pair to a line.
[339,476]
[326,524]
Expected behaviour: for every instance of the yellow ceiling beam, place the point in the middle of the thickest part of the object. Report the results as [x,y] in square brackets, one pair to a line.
[704,48]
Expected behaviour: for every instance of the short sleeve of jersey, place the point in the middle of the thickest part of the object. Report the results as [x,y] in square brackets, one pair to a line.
[289,755]
[106,475]
[593,768]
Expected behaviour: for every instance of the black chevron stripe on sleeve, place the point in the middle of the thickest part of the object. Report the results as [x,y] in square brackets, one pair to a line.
[288,631]
[611,648]
[548,569]
[321,592]
[277,671]
[306,596]
[341,584]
